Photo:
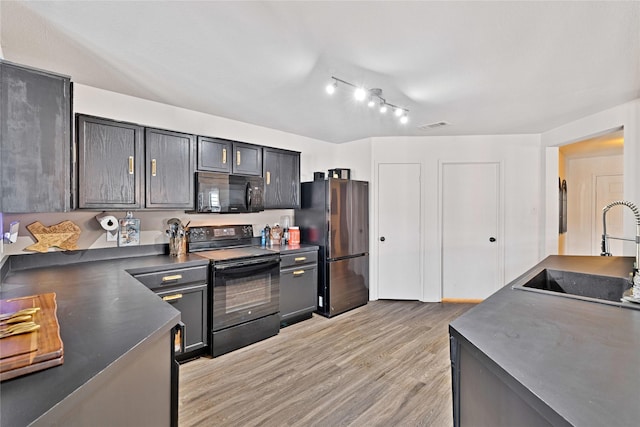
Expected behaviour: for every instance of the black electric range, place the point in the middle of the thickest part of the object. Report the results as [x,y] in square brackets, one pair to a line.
[244,283]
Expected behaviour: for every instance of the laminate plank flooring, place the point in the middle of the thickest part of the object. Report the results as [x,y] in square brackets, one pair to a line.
[383,364]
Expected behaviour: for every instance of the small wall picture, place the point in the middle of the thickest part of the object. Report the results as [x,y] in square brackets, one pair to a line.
[129,231]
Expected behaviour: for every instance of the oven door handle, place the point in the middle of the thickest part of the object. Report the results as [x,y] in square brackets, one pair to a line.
[247,263]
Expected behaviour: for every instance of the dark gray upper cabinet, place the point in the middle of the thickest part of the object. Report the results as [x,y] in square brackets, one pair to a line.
[247,159]
[214,154]
[224,155]
[110,164]
[127,166]
[281,173]
[35,140]
[170,167]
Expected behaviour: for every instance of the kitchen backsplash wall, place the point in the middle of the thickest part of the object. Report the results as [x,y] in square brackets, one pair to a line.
[152,225]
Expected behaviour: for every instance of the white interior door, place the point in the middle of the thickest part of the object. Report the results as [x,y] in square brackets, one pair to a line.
[398,237]
[609,188]
[470,225]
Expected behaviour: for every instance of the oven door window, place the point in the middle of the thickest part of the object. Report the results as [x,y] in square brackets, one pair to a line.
[245,293]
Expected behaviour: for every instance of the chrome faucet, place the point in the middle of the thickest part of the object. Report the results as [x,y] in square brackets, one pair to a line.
[605,238]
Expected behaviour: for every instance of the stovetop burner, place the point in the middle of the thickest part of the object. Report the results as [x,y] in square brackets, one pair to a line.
[224,242]
[235,253]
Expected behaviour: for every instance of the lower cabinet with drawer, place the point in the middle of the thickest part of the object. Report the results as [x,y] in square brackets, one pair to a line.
[186,290]
[298,286]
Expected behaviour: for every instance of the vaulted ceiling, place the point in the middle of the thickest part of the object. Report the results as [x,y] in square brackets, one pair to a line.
[483,67]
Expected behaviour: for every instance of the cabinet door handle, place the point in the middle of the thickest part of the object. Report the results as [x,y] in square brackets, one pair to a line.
[224,156]
[268,177]
[172,297]
[154,167]
[130,165]
[300,259]
[298,272]
[174,277]
[238,157]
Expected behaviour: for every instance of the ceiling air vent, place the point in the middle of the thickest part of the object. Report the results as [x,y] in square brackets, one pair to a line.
[435,125]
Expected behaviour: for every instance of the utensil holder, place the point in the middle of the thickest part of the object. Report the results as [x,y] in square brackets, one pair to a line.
[177,246]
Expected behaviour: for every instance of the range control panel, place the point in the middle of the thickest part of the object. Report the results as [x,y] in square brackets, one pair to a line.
[219,233]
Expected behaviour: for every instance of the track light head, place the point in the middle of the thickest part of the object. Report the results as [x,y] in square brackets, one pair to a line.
[359,94]
[371,102]
[331,87]
[383,107]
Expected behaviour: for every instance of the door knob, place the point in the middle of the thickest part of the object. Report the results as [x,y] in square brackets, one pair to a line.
[382,239]
[492,239]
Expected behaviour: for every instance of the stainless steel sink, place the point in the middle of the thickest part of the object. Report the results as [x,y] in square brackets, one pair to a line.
[587,287]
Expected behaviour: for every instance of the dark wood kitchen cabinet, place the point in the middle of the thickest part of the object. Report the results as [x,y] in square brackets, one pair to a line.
[227,156]
[127,166]
[298,286]
[214,154]
[187,290]
[247,159]
[281,173]
[110,164]
[170,168]
[191,302]
[35,140]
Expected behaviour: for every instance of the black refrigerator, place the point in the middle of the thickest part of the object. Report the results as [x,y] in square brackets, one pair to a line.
[334,215]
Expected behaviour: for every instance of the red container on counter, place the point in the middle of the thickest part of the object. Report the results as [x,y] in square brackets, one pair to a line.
[294,235]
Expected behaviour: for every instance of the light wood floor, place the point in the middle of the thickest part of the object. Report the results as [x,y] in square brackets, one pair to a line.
[384,364]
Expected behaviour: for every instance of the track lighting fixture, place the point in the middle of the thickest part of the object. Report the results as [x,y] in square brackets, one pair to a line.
[373,96]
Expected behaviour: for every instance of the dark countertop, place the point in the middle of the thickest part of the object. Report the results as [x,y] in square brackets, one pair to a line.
[103,312]
[579,358]
[287,249]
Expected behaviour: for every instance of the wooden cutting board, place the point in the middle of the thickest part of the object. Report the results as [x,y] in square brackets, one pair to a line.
[33,351]
[64,235]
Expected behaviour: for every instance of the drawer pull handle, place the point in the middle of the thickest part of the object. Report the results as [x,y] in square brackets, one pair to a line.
[268,177]
[154,167]
[224,156]
[174,277]
[130,165]
[172,297]
[298,272]
[300,259]
[238,160]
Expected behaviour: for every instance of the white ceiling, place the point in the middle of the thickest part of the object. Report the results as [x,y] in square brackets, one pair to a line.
[484,67]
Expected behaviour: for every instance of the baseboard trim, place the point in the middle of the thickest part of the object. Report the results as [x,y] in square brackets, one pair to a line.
[462,300]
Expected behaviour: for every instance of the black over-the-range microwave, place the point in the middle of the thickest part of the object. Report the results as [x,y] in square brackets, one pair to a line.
[224,193]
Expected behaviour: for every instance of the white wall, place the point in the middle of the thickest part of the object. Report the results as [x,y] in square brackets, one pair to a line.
[520,156]
[625,116]
[357,155]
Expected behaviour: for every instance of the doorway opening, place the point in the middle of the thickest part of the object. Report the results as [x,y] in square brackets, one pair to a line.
[591,175]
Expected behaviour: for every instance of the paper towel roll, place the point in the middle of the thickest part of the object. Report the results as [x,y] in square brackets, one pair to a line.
[107,222]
